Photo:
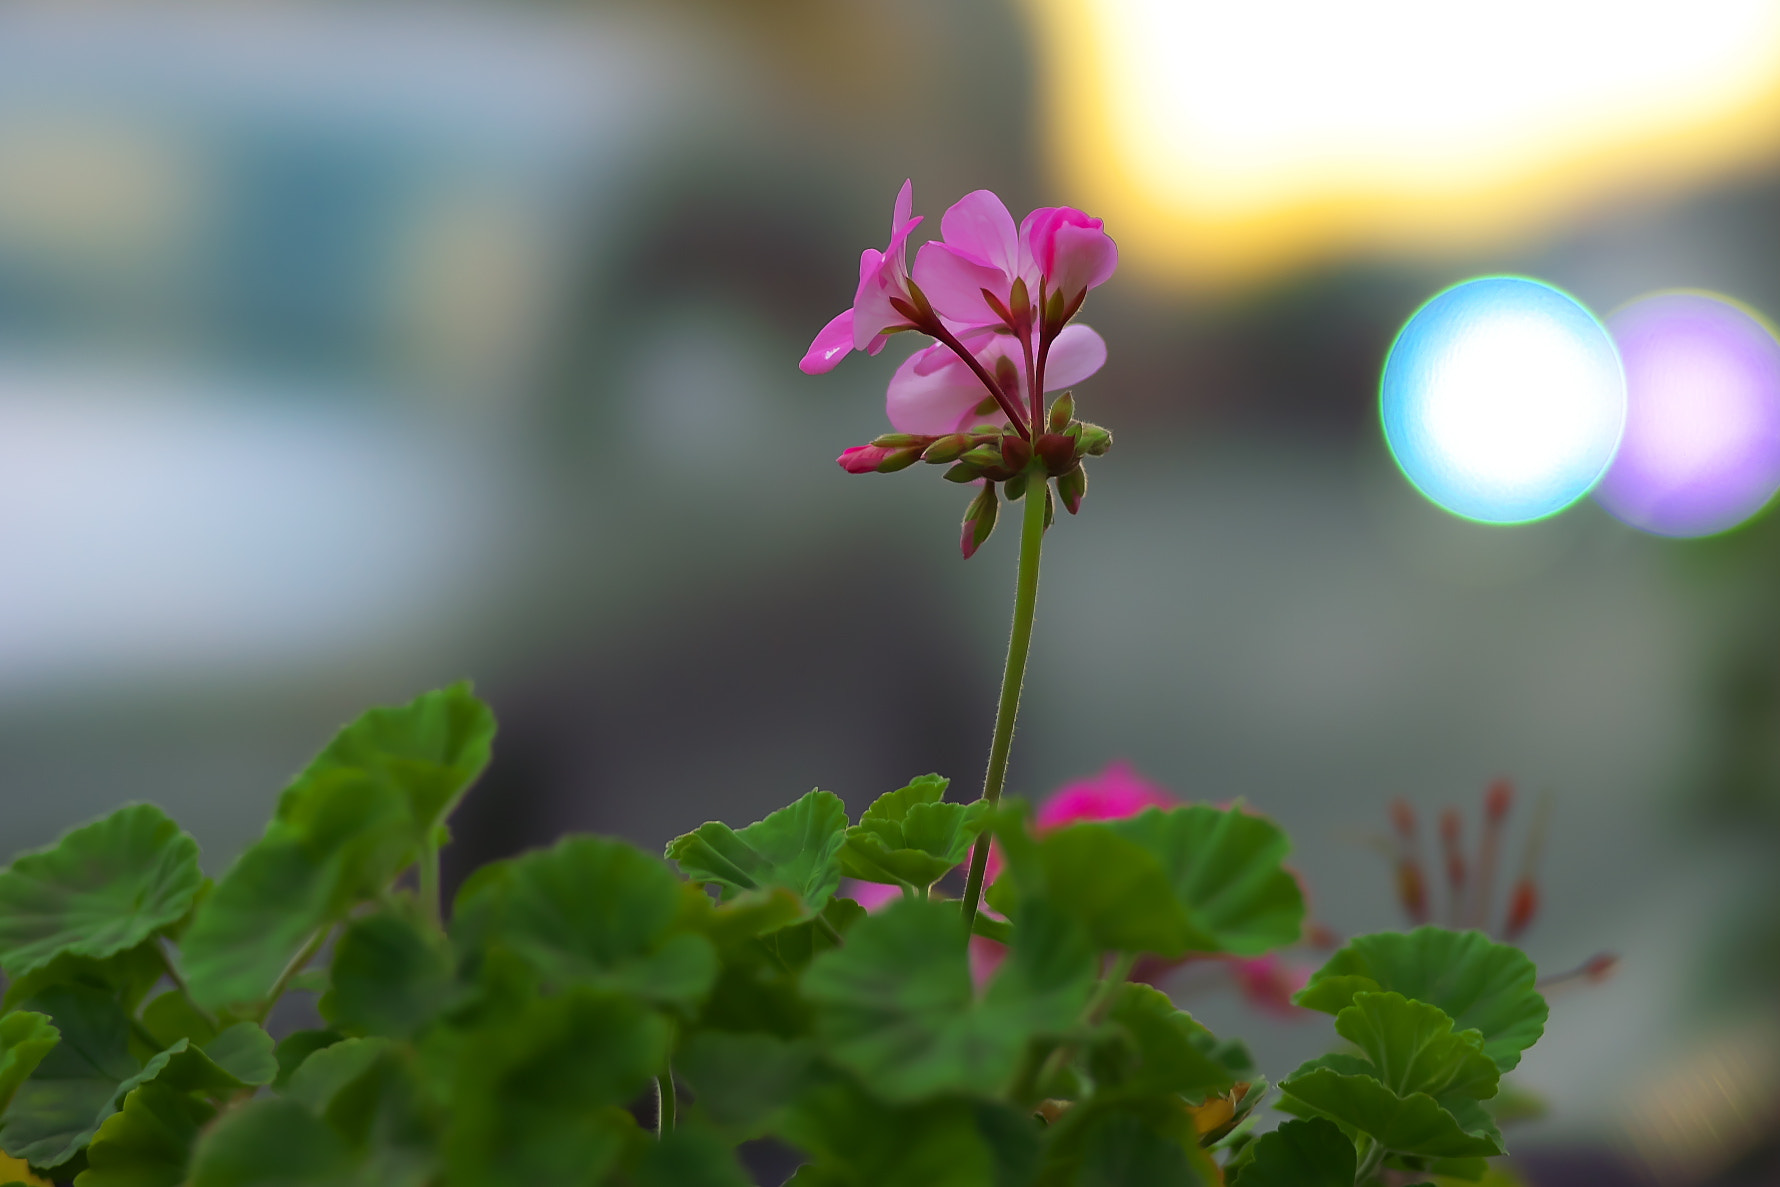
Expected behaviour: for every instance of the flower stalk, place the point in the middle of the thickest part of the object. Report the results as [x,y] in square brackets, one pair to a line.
[1013,675]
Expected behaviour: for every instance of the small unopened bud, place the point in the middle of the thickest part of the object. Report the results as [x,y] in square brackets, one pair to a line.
[1498,800]
[900,459]
[946,449]
[982,455]
[1015,452]
[979,521]
[1523,904]
[1016,487]
[899,440]
[1007,376]
[1062,412]
[1600,966]
[1412,890]
[1044,484]
[963,472]
[1019,303]
[1095,440]
[1056,451]
[1071,487]
[862,459]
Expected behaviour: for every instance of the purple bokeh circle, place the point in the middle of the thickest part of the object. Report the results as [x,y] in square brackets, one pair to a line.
[1701,451]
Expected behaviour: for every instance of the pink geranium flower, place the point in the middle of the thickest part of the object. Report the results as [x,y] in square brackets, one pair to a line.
[1072,251]
[936,392]
[970,273]
[1115,793]
[883,283]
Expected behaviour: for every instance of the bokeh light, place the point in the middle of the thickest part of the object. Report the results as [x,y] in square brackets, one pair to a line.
[1503,399]
[1701,451]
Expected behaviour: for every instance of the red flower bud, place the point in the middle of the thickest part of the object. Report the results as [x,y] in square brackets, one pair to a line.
[1498,800]
[1412,890]
[1403,819]
[862,459]
[1523,904]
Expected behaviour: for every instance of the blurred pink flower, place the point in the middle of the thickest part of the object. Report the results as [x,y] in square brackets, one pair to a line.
[1113,794]
[935,392]
[1268,983]
[883,280]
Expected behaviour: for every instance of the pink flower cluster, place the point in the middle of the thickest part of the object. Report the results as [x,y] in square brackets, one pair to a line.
[996,298]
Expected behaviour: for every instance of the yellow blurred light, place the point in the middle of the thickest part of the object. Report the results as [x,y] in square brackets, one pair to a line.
[1235,138]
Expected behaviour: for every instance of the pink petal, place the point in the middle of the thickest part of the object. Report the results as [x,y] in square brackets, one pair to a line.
[1076,353]
[1115,793]
[862,459]
[979,225]
[1083,257]
[932,392]
[954,282]
[905,205]
[833,343]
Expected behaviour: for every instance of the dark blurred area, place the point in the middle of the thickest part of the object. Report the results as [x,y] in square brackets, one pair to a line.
[348,349]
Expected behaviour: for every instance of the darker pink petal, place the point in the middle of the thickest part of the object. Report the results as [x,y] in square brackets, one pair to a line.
[862,459]
[1071,249]
[833,343]
[1268,983]
[1116,792]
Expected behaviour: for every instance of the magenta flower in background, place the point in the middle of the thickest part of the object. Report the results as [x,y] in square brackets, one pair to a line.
[1113,794]
[883,281]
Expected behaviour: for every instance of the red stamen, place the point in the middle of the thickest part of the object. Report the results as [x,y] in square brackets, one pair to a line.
[1450,826]
[1523,904]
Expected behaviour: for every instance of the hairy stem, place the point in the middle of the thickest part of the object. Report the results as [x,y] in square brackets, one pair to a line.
[1032,533]
[665,1104]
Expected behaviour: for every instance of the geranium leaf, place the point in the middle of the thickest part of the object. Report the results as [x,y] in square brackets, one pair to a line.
[147,1143]
[853,1138]
[126,976]
[1414,1124]
[25,1038]
[590,911]
[271,1142]
[244,1051]
[78,1083]
[743,1082]
[389,977]
[326,1072]
[294,1050]
[1309,1153]
[1124,1148]
[1112,886]
[897,1007]
[1154,1048]
[1480,984]
[341,843]
[432,749]
[797,847]
[1415,1049]
[1224,865]
[539,1094]
[171,1017]
[103,888]
[911,836]
[690,1156]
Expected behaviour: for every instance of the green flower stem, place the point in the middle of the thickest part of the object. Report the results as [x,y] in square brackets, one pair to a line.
[1062,1053]
[1032,533]
[1371,1158]
[665,1104]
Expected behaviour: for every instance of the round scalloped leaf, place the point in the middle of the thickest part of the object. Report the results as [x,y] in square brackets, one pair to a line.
[1113,886]
[1225,867]
[147,1143]
[1415,1048]
[1480,984]
[798,847]
[1415,1124]
[1308,1153]
[101,889]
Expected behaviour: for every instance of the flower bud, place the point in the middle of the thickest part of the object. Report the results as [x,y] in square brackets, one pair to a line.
[1019,303]
[988,454]
[1016,487]
[1056,451]
[946,449]
[900,459]
[1062,412]
[899,440]
[862,459]
[1523,904]
[1015,452]
[1412,890]
[979,520]
[1050,503]
[1071,486]
[963,472]
[1094,440]
[1498,800]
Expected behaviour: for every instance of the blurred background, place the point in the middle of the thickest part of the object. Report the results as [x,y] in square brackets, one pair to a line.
[349,349]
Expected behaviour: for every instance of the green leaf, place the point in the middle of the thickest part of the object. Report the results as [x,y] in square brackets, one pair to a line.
[356,817]
[25,1038]
[103,888]
[856,1140]
[910,837]
[1113,886]
[376,1102]
[797,847]
[126,976]
[1125,1149]
[1480,984]
[690,1157]
[390,977]
[271,1142]
[78,1083]
[1414,1047]
[590,911]
[539,1095]
[742,1083]
[432,749]
[244,1051]
[148,1143]
[326,1072]
[896,1004]
[1413,1124]
[1312,1153]
[295,1049]
[1154,1048]
[1224,866]
[171,1017]
[795,946]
